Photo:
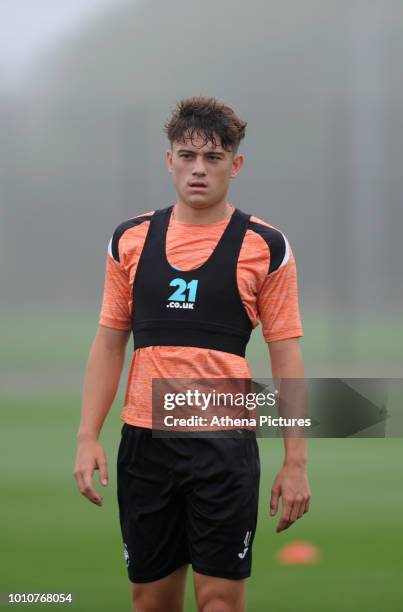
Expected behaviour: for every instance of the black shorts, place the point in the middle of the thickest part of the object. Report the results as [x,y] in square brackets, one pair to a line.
[187,500]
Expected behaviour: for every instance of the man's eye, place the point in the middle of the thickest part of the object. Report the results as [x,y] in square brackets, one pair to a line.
[186,155]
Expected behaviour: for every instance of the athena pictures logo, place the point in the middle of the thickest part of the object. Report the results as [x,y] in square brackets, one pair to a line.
[184,295]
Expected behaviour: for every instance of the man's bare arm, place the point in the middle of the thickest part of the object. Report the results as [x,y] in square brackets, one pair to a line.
[291,482]
[104,368]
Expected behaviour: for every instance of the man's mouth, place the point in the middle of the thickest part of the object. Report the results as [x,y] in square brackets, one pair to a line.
[197,185]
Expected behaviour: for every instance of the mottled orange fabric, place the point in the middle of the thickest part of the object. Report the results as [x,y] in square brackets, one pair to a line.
[271,299]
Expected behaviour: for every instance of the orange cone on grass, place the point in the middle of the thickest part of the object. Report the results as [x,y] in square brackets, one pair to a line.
[298,553]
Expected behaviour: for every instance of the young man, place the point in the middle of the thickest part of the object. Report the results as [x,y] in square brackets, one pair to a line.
[192,500]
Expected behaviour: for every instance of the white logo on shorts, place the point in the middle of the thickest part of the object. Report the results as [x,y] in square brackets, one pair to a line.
[246,541]
[126,555]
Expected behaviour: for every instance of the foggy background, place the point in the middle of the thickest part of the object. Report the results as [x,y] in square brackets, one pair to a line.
[85,88]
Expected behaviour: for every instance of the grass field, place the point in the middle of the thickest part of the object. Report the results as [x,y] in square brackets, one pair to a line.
[53,539]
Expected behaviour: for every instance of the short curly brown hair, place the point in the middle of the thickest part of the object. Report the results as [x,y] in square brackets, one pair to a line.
[207,118]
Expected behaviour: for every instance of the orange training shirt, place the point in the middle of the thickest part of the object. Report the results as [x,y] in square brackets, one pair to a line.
[271,298]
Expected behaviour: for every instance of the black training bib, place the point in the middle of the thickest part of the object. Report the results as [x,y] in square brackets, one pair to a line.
[200,307]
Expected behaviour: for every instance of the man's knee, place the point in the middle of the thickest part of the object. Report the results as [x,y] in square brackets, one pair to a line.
[145,602]
[216,595]
[216,604]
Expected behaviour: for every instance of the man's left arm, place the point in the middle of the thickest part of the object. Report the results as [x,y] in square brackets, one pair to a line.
[291,483]
[278,308]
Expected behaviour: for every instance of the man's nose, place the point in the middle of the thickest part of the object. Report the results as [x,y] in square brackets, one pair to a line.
[198,167]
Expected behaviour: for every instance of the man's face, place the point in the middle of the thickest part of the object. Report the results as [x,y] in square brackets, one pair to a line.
[201,171]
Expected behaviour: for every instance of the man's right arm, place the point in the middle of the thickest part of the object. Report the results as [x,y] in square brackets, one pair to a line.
[104,368]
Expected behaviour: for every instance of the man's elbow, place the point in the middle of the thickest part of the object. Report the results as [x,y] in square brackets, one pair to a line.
[112,340]
[286,358]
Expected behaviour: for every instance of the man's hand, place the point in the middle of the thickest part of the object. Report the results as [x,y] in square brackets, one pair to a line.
[292,485]
[90,457]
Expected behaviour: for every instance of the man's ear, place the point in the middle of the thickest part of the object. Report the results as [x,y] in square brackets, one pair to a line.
[237,164]
[169,160]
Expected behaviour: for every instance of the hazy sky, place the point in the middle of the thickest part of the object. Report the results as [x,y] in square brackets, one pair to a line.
[30,27]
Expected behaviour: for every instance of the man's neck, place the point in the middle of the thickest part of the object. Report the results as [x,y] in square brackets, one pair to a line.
[186,214]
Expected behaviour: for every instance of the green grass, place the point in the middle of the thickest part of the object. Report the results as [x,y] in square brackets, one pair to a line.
[54,540]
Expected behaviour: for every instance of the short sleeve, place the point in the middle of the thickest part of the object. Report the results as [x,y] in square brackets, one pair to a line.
[277,302]
[115,311]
